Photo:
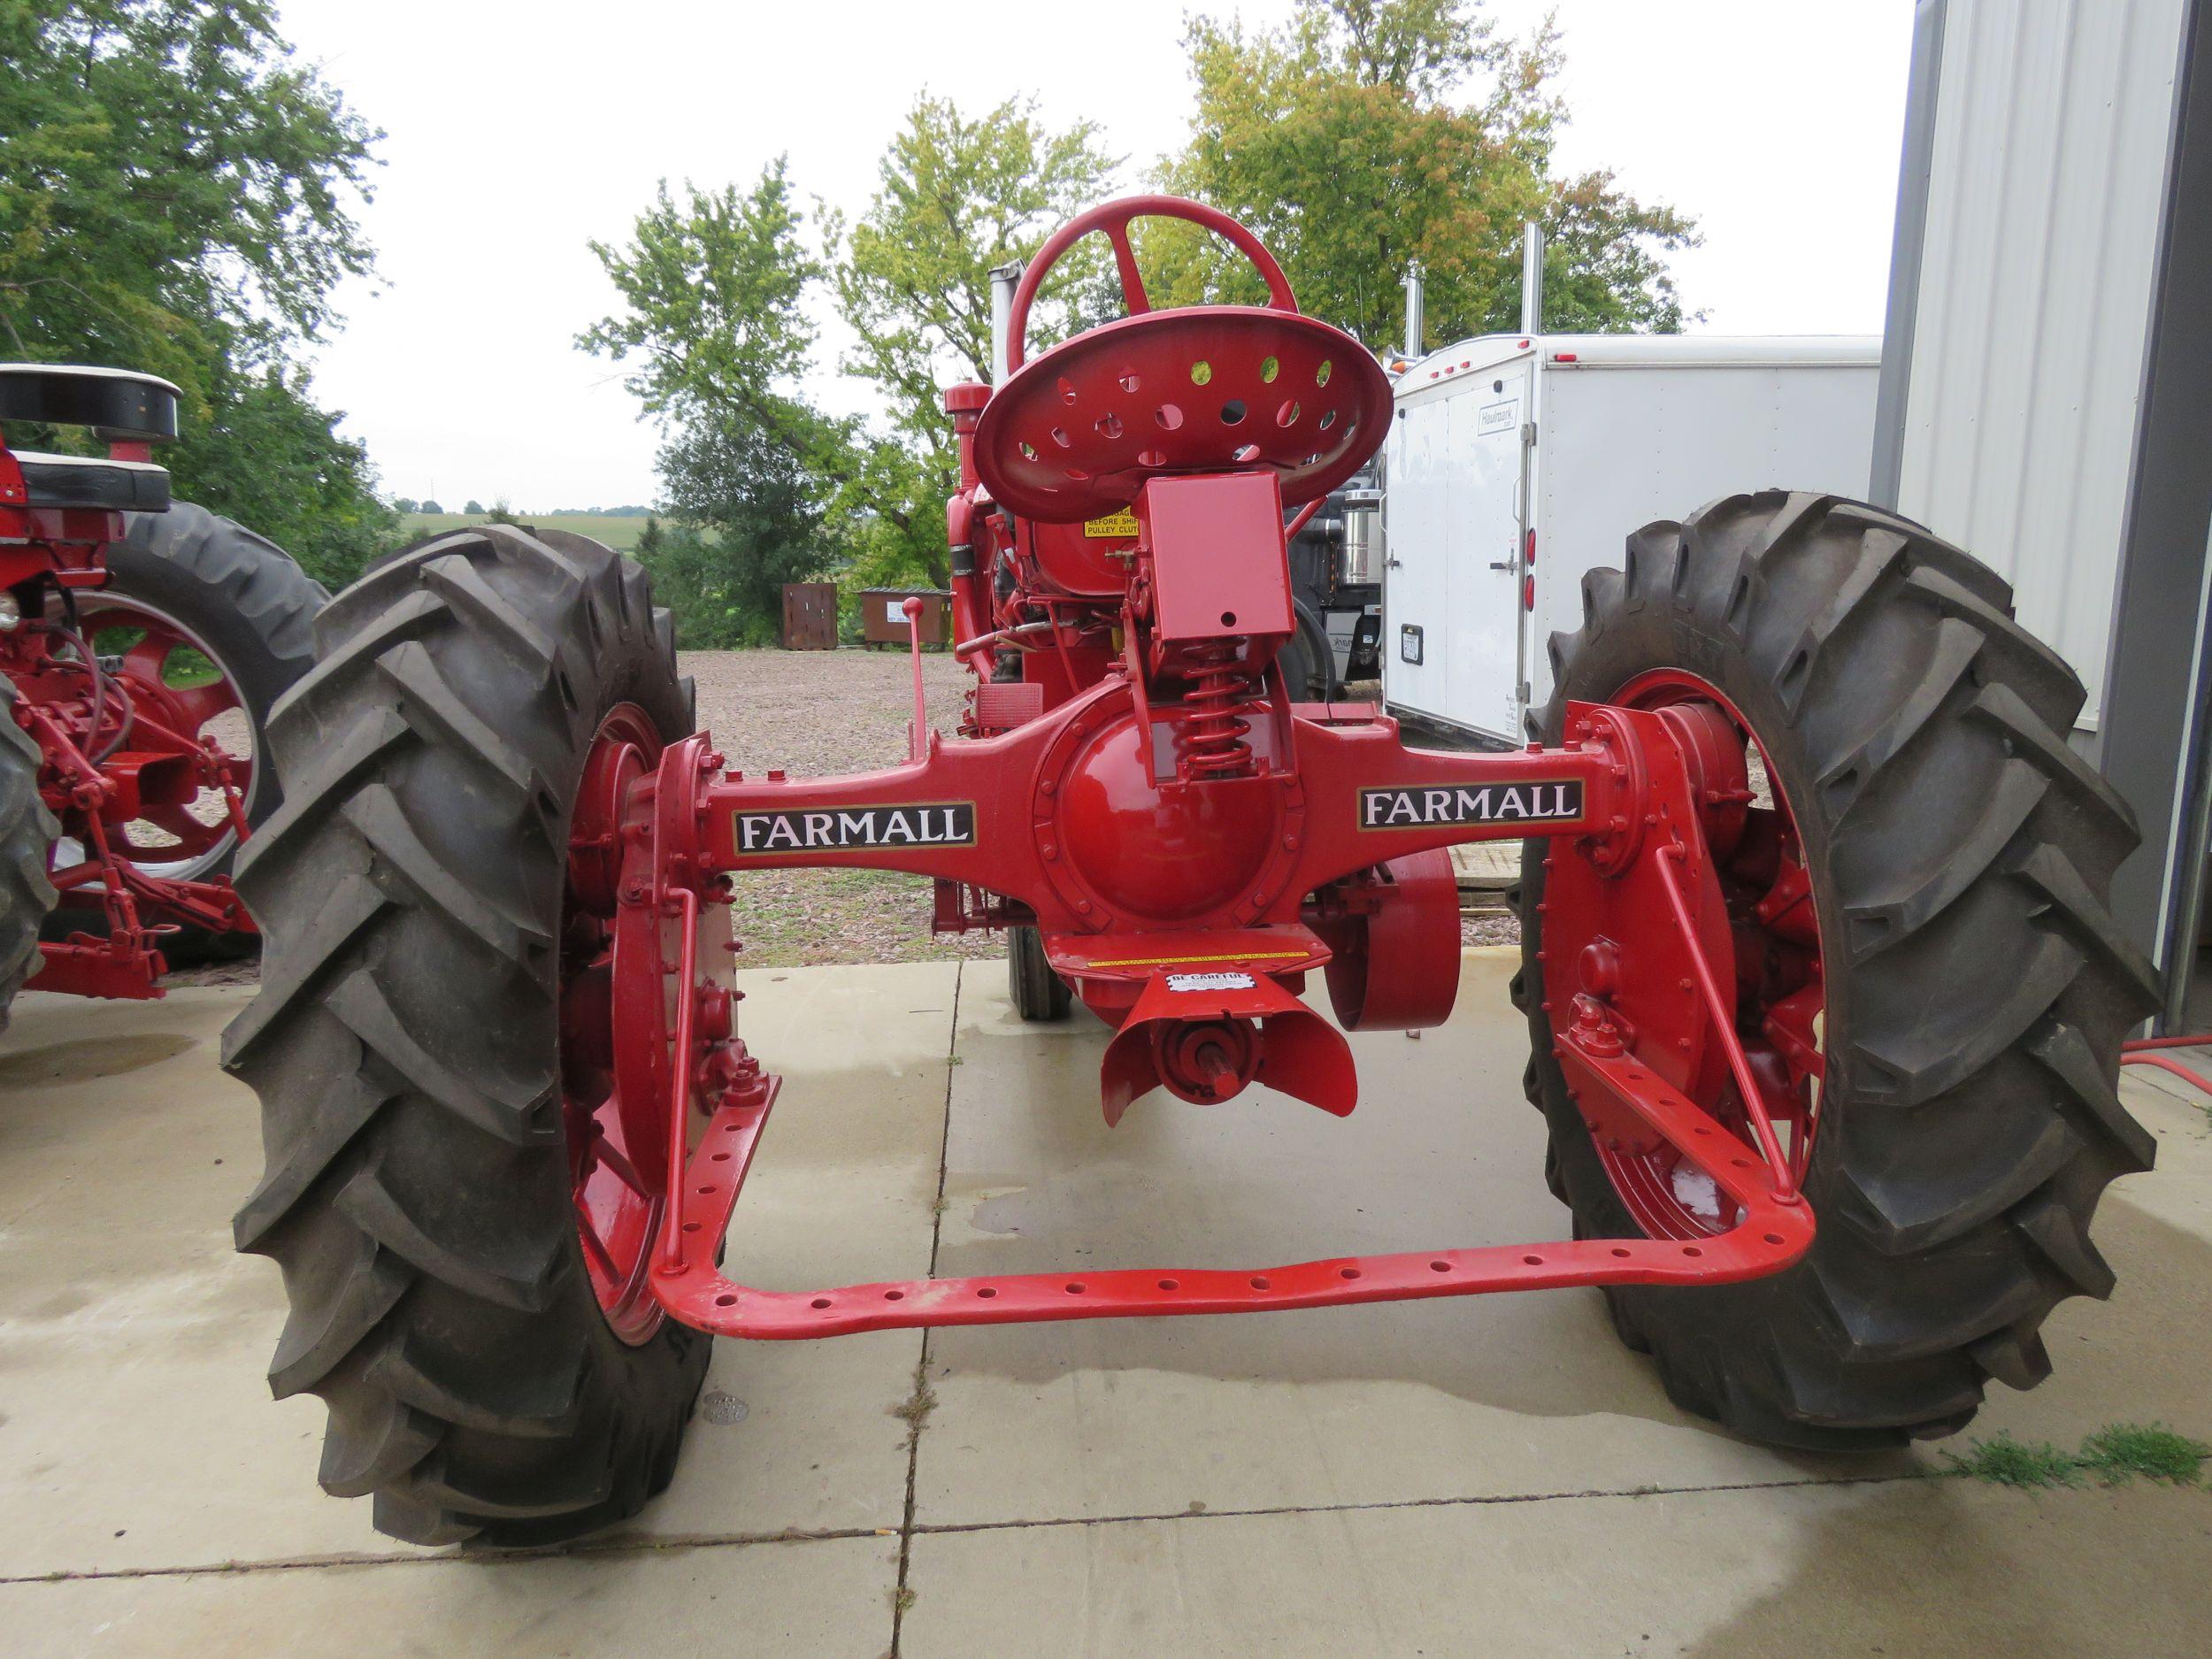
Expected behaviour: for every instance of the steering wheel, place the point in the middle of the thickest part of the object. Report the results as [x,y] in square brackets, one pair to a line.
[1075,434]
[1113,218]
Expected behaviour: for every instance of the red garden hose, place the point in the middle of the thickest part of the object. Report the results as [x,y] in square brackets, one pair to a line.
[2139,1053]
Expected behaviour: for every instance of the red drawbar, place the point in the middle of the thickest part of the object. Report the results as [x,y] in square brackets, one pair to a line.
[1770,1233]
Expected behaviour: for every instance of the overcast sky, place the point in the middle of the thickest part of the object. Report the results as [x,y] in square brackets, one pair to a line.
[517,132]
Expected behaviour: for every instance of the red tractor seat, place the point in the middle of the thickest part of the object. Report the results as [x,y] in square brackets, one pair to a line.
[1074,435]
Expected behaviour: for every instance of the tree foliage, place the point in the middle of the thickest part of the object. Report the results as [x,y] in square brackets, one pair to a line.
[1368,134]
[716,340]
[956,197]
[177,195]
[277,466]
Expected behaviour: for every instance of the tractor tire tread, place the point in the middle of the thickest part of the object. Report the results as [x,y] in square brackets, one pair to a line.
[1969,1121]
[403,1046]
[26,836]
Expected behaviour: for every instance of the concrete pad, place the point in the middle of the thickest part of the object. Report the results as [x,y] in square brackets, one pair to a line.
[843,1191]
[1489,1396]
[1483,1396]
[1928,1569]
[138,1428]
[135,1427]
[831,1598]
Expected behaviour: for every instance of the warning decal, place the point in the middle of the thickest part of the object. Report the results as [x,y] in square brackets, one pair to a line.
[1210,981]
[1114,524]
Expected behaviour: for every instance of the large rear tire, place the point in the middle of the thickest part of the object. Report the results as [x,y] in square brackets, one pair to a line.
[1977,989]
[26,831]
[406,1043]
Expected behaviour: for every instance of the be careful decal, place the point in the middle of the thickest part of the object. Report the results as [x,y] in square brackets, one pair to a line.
[1210,981]
[940,824]
[1541,802]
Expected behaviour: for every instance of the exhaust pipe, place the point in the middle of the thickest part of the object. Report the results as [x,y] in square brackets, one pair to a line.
[1532,278]
[1003,280]
[1417,298]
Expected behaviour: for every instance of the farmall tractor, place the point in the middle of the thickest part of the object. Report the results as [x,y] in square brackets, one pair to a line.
[144,642]
[1824,1002]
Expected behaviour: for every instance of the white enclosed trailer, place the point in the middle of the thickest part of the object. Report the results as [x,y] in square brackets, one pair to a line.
[1517,462]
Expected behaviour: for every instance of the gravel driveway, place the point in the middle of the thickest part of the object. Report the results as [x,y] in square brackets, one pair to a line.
[815,713]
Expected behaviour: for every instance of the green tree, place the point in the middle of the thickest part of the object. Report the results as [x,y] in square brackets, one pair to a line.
[404,504]
[956,197]
[177,195]
[715,336]
[1370,133]
[282,468]
[472,506]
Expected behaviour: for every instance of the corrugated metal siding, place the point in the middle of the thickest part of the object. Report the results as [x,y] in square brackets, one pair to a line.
[2052,129]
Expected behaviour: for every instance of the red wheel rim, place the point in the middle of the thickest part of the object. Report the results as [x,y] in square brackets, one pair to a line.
[1758,854]
[179,691]
[617,1181]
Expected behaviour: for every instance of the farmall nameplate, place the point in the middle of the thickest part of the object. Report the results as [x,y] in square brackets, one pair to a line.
[837,828]
[1552,802]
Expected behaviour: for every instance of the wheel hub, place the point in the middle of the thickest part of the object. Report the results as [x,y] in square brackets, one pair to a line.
[1612,976]
[617,1166]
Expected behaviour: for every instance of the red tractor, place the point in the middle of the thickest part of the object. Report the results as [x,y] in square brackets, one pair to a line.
[1824,1004]
[143,643]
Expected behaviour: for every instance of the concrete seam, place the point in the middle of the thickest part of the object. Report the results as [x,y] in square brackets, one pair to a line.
[928,1529]
[923,1400]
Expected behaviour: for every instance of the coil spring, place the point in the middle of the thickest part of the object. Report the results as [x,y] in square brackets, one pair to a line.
[1213,739]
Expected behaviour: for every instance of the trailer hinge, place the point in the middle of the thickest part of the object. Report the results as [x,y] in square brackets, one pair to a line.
[1528,433]
[1523,694]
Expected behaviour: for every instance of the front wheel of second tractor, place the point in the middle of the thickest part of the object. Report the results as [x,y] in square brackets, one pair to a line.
[26,831]
[1929,989]
[462,1219]
[205,625]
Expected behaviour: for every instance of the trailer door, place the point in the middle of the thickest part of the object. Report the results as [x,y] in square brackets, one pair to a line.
[1484,439]
[1417,569]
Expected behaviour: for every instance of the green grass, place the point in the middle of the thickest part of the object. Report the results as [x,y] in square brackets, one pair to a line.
[619,532]
[2004,1462]
[2121,1451]
[2115,1454]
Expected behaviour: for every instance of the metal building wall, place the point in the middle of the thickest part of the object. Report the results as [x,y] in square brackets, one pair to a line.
[2045,178]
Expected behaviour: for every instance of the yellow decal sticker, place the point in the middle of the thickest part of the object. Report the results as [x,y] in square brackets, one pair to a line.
[1233,956]
[1114,524]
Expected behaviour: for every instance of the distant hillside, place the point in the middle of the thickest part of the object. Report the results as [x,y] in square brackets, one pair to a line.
[619,531]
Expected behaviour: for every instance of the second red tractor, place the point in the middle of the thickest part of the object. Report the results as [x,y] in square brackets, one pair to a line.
[142,642]
[1824,1002]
